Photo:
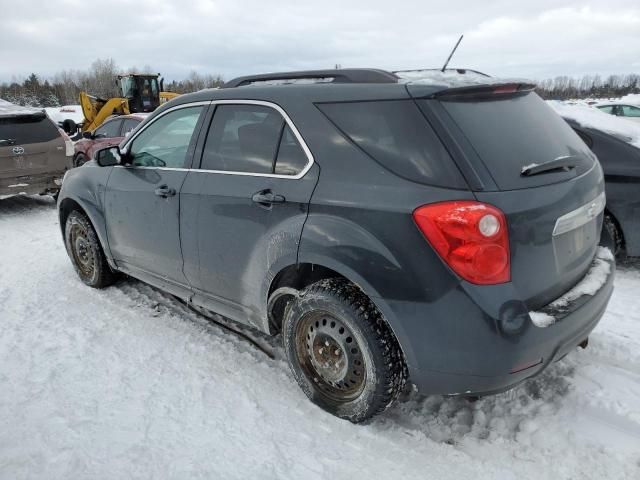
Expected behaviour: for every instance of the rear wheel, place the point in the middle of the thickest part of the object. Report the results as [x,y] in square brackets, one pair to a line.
[85,251]
[341,352]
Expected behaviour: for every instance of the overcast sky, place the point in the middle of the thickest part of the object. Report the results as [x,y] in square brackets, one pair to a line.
[535,39]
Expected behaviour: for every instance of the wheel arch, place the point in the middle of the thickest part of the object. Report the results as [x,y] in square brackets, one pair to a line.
[68,205]
[293,278]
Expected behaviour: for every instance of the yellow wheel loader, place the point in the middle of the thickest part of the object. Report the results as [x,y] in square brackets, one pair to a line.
[140,93]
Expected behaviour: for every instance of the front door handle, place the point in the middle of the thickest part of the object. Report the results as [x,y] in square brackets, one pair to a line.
[267,198]
[164,191]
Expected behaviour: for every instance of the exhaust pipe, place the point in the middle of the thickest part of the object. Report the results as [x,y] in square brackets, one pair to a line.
[583,344]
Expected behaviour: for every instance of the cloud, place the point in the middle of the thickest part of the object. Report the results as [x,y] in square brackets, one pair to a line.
[535,39]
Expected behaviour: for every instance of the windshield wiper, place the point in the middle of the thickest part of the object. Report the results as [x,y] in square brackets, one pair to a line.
[8,141]
[565,164]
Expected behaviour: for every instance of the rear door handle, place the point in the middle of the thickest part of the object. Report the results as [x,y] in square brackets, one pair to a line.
[164,191]
[266,198]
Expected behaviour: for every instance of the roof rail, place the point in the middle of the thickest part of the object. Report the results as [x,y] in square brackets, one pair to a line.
[344,75]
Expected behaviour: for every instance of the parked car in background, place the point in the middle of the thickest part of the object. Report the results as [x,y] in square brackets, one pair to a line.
[65,114]
[628,112]
[620,161]
[438,229]
[34,152]
[111,132]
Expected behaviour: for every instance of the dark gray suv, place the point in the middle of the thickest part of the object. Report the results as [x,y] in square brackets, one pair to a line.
[439,230]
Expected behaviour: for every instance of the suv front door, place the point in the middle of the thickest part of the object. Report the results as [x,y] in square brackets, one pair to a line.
[141,199]
[243,211]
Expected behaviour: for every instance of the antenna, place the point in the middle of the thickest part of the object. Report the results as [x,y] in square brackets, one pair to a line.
[451,54]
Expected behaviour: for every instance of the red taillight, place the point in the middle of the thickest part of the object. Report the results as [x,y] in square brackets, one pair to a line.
[471,237]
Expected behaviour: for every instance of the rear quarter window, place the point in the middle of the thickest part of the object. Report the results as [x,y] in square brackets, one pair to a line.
[27,129]
[395,134]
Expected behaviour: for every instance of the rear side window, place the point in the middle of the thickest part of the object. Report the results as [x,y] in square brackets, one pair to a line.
[252,139]
[396,134]
[109,129]
[291,158]
[607,109]
[27,129]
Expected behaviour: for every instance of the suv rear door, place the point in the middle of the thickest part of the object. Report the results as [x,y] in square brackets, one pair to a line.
[30,145]
[243,210]
[554,215]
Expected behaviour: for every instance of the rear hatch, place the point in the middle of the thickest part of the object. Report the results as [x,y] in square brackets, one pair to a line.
[30,145]
[520,156]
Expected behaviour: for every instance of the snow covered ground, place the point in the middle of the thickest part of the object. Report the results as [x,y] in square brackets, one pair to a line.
[127,383]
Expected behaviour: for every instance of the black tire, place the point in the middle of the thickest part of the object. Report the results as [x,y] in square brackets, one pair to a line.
[611,236]
[85,251]
[79,160]
[342,353]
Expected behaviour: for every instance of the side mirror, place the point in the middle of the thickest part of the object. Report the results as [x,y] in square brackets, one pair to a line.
[87,135]
[108,157]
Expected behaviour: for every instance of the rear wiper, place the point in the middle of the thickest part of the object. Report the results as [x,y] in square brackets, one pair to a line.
[565,164]
[8,141]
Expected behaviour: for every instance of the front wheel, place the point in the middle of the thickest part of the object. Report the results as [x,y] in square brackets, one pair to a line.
[79,160]
[342,353]
[85,251]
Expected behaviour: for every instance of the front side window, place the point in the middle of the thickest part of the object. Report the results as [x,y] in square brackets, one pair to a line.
[252,139]
[606,109]
[165,142]
[109,129]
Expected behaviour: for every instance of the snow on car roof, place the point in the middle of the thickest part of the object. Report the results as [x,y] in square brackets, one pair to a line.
[8,109]
[454,78]
[594,118]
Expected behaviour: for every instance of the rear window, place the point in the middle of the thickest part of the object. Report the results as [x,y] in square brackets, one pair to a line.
[27,129]
[511,133]
[396,135]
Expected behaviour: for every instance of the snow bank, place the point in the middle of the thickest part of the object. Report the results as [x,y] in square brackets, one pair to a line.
[594,118]
[8,109]
[589,285]
[71,112]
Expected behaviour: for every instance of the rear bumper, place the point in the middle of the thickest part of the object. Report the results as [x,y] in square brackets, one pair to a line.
[31,184]
[457,347]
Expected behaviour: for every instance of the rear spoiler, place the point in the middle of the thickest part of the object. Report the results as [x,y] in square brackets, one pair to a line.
[483,91]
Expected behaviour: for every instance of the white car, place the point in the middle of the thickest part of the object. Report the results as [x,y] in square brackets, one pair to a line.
[626,111]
